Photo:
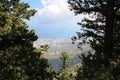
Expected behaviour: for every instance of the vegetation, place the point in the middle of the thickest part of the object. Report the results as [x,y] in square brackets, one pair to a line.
[100,29]
[64,57]
[65,72]
[19,60]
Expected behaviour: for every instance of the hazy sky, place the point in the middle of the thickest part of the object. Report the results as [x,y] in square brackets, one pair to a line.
[53,19]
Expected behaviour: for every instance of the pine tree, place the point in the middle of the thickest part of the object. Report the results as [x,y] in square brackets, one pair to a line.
[101,28]
[19,60]
[65,72]
[64,57]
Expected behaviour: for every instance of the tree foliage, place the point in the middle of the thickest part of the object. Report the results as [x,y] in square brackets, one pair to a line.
[65,73]
[64,57]
[100,29]
[19,60]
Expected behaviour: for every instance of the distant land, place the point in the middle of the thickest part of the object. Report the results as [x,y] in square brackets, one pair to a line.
[58,46]
[61,45]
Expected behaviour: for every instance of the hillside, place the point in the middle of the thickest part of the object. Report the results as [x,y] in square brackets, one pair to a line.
[58,45]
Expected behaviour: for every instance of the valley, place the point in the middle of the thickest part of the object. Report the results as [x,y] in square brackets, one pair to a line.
[57,46]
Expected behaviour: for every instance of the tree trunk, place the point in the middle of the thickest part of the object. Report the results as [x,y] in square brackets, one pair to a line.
[109,29]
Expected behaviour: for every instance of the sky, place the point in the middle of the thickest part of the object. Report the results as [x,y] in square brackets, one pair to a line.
[53,19]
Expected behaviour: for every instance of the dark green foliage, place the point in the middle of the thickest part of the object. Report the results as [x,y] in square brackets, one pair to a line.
[65,73]
[64,57]
[101,31]
[44,47]
[19,60]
